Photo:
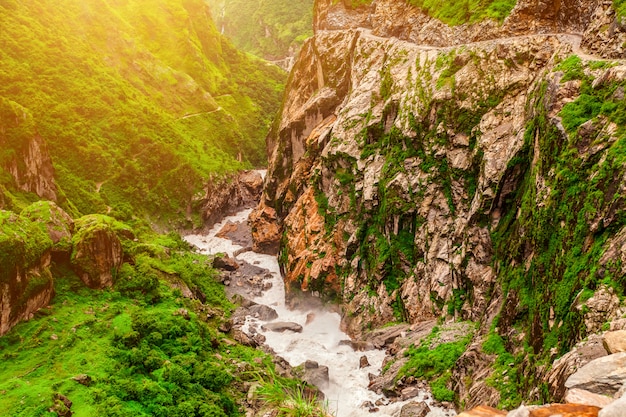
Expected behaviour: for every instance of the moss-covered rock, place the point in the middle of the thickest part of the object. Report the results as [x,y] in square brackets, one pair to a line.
[25,280]
[56,221]
[98,254]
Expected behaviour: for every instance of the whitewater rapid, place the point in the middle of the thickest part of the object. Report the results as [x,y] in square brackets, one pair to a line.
[319,340]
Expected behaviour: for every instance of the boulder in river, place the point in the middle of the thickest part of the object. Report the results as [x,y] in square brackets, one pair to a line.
[263,312]
[281,326]
[225,263]
[415,409]
[315,374]
[363,362]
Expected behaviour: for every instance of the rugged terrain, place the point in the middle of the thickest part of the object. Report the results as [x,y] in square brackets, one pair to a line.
[474,173]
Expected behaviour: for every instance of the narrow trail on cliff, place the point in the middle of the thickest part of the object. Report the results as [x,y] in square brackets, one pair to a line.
[572,39]
[321,339]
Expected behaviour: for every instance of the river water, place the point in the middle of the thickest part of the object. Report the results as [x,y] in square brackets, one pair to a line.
[319,340]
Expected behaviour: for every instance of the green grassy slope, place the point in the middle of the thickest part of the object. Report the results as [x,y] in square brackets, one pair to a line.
[144,102]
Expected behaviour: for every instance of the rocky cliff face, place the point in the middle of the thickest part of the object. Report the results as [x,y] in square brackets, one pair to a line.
[414,178]
[25,155]
[227,196]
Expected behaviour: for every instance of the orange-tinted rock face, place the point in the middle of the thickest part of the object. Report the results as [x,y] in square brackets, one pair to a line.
[483,411]
[265,230]
[565,410]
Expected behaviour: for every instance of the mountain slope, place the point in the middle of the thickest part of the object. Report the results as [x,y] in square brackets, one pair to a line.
[139,106]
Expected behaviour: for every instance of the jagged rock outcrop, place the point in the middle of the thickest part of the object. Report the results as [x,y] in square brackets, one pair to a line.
[25,156]
[413,179]
[25,280]
[97,253]
[226,196]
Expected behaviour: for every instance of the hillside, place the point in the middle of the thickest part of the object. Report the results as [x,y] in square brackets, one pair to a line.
[138,106]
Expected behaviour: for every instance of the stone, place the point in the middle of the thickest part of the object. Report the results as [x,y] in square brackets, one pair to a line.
[483,411]
[363,362]
[61,406]
[615,342]
[604,375]
[263,312]
[225,263]
[616,409]
[414,409]
[315,374]
[521,411]
[83,379]
[409,392]
[584,397]
[281,326]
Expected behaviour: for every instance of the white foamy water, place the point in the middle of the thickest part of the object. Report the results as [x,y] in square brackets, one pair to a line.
[319,340]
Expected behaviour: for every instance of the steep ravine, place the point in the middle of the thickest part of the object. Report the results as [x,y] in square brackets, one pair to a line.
[414,180]
[317,339]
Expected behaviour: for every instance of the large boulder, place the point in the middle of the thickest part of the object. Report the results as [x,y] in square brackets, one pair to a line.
[415,409]
[316,374]
[98,253]
[615,342]
[604,375]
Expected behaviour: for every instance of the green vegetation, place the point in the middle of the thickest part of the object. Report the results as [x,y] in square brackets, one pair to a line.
[562,231]
[457,12]
[271,29]
[434,364]
[147,349]
[290,398]
[620,7]
[140,106]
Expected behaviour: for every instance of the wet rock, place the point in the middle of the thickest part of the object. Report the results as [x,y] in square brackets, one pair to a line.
[265,231]
[615,342]
[363,362]
[415,409]
[241,337]
[604,375]
[225,263]
[263,312]
[483,411]
[83,379]
[315,374]
[615,409]
[409,392]
[581,396]
[281,326]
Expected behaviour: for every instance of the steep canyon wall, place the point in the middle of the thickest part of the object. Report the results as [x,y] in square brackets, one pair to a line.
[474,172]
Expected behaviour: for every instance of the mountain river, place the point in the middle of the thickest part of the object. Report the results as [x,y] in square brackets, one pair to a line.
[319,340]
